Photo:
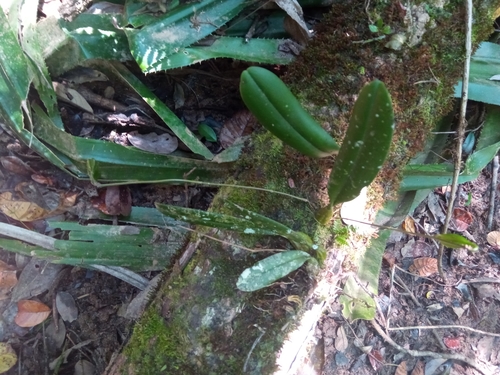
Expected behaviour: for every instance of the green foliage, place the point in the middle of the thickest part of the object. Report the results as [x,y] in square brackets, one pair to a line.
[341,233]
[380,27]
[207,132]
[279,111]
[424,176]
[365,145]
[267,271]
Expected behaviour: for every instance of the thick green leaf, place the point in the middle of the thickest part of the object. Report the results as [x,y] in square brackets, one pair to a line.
[365,145]
[207,132]
[17,71]
[247,222]
[265,51]
[125,246]
[154,43]
[456,241]
[268,270]
[484,64]
[428,176]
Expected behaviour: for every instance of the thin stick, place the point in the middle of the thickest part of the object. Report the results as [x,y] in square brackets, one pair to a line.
[494,181]
[229,243]
[460,131]
[485,368]
[194,182]
[444,327]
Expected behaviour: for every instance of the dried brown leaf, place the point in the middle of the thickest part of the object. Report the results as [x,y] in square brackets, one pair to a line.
[31,313]
[163,144]
[341,342]
[424,266]
[235,127]
[493,238]
[15,165]
[409,225]
[376,359]
[401,369]
[419,368]
[461,219]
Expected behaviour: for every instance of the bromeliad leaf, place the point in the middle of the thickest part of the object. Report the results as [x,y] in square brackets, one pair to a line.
[268,270]
[248,222]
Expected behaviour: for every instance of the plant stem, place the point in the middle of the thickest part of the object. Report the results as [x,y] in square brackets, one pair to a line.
[460,131]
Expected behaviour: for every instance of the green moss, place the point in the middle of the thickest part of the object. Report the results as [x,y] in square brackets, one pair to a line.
[156,348]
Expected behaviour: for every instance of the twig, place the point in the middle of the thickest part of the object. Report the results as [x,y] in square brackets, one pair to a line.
[263,331]
[229,243]
[485,368]
[444,327]
[460,131]
[439,339]
[195,182]
[494,181]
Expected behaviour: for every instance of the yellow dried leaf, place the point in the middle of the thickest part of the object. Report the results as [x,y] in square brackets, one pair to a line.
[20,210]
[8,357]
[409,225]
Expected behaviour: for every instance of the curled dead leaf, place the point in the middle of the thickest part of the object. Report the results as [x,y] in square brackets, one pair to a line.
[409,225]
[424,266]
[493,239]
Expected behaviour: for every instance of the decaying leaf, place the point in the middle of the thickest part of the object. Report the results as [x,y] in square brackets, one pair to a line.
[409,224]
[461,219]
[163,144]
[71,96]
[401,369]
[376,359]
[493,239]
[8,357]
[8,277]
[31,313]
[15,165]
[424,266]
[179,97]
[20,210]
[452,342]
[118,201]
[419,368]
[66,306]
[341,342]
[300,31]
[235,127]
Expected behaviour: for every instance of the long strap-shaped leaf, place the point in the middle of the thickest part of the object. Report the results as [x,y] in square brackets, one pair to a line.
[365,145]
[248,222]
[179,28]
